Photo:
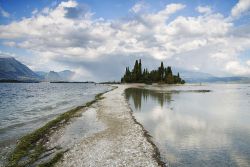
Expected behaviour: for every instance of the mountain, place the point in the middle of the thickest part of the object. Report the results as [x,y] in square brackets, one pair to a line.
[11,69]
[197,77]
[233,79]
[193,76]
[67,75]
[41,74]
[53,76]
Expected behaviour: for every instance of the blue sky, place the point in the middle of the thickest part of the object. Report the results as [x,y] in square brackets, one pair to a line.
[109,9]
[88,35]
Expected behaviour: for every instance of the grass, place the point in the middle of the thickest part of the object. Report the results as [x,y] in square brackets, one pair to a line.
[32,146]
[53,161]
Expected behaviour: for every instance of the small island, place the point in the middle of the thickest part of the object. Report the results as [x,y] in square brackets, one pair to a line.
[161,75]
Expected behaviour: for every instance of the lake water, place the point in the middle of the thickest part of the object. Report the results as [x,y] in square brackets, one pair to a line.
[26,106]
[195,127]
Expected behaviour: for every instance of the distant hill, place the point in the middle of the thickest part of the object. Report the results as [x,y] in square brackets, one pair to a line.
[233,79]
[193,76]
[197,77]
[67,75]
[11,69]
[53,76]
[41,74]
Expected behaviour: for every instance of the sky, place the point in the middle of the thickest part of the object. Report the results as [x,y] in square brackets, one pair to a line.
[97,39]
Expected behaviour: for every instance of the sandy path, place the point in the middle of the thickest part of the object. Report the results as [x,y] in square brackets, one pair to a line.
[122,143]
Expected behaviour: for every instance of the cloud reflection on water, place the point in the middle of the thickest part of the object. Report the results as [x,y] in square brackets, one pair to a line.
[192,128]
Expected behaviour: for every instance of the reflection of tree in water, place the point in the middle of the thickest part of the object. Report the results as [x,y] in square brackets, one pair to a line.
[137,94]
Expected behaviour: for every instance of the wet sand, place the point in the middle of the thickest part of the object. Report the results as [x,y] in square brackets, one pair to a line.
[118,140]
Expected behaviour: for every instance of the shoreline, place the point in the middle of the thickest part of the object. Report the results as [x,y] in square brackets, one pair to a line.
[53,156]
[156,154]
[123,141]
[31,147]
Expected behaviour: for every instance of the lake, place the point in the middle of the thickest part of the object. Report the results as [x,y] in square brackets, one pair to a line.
[25,107]
[196,125]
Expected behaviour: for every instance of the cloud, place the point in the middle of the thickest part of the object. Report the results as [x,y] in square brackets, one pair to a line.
[59,33]
[204,9]
[9,43]
[77,11]
[172,8]
[138,7]
[6,54]
[237,69]
[35,11]
[241,7]
[4,13]
[248,62]
[68,35]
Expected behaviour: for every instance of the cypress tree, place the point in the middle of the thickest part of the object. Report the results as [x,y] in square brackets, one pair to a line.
[161,71]
[169,79]
[139,71]
[159,75]
[134,72]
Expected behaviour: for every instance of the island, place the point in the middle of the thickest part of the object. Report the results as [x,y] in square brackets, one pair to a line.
[161,75]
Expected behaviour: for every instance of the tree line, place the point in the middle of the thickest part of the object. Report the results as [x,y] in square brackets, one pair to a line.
[161,75]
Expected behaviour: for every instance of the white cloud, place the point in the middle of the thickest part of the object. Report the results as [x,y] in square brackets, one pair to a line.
[163,15]
[172,8]
[248,62]
[237,69]
[4,13]
[138,7]
[35,11]
[204,9]
[196,68]
[241,7]
[6,54]
[69,35]
[9,43]
[82,73]
[219,55]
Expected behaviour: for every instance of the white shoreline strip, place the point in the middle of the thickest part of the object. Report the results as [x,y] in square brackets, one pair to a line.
[122,143]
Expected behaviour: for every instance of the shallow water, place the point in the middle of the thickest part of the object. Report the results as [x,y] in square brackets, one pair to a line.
[81,127]
[193,127]
[26,106]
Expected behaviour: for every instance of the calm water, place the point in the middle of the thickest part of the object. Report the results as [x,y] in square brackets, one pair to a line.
[196,128]
[27,106]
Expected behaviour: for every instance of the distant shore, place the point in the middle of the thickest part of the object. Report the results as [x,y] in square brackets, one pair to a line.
[38,81]
[123,141]
[18,81]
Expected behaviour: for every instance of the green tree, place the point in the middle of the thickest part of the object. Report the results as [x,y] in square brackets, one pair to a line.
[139,71]
[155,76]
[169,79]
[161,71]
[136,71]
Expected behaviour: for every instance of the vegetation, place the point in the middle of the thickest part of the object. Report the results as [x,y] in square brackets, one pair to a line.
[31,146]
[161,75]
[53,161]
[110,82]
[17,81]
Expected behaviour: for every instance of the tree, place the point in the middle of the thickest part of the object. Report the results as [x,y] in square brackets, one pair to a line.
[155,76]
[169,79]
[134,72]
[161,71]
[139,71]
